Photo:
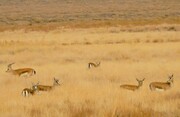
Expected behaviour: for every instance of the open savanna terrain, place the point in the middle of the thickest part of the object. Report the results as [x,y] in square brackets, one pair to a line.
[65,54]
[132,39]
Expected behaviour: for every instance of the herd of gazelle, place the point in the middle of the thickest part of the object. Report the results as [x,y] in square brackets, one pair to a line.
[154,86]
[29,72]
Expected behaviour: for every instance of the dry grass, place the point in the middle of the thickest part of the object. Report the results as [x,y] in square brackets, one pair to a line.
[64,54]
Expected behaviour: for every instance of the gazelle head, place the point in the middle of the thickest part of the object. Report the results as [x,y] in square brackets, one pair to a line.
[170,80]
[9,68]
[140,82]
[35,86]
[56,82]
[98,64]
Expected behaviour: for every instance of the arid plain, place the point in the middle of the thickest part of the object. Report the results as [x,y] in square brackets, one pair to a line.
[61,49]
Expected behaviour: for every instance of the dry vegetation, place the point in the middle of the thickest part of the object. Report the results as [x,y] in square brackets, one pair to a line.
[131,38]
[64,54]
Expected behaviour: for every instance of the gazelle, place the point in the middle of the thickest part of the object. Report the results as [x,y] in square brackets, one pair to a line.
[161,86]
[21,71]
[90,65]
[29,91]
[45,87]
[133,87]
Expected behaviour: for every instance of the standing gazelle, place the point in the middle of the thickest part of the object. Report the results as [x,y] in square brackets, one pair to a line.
[161,86]
[45,87]
[90,65]
[133,87]
[21,71]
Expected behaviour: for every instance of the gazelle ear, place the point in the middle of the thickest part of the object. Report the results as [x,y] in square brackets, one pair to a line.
[10,64]
[143,79]
[172,75]
[137,79]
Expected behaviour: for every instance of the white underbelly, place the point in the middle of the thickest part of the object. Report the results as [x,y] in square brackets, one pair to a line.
[26,74]
[157,89]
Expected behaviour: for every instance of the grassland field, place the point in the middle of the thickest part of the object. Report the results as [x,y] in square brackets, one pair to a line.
[65,54]
[132,39]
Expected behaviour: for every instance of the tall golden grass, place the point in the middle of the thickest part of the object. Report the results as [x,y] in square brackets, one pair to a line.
[84,92]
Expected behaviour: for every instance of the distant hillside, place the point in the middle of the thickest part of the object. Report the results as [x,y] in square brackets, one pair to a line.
[30,12]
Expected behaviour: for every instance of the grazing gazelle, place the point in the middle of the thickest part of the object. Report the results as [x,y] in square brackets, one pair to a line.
[21,71]
[90,65]
[45,87]
[133,87]
[29,91]
[161,86]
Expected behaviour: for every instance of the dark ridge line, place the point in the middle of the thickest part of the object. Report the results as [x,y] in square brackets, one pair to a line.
[89,43]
